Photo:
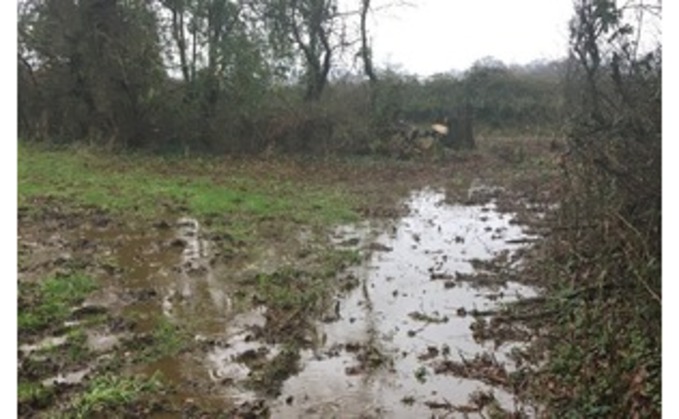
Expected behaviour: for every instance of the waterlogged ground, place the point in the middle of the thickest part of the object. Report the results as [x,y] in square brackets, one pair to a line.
[389,350]
[273,290]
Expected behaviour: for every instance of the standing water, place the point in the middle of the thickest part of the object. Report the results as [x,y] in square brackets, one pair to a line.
[381,351]
[378,357]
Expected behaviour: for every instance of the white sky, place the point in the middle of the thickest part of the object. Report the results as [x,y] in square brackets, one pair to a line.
[436,36]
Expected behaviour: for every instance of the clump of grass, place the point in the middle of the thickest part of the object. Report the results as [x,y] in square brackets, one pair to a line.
[50,302]
[111,392]
[34,395]
[335,260]
[166,339]
[421,374]
[76,345]
[291,289]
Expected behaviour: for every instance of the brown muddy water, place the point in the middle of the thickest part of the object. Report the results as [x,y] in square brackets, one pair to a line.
[405,318]
[377,353]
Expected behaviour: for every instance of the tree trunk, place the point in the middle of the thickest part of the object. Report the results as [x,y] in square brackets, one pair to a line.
[366,51]
[178,34]
[461,132]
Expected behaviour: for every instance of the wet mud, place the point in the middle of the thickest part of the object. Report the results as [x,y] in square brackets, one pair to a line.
[396,341]
[383,355]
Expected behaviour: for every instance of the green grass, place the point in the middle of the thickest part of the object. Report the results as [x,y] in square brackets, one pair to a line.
[140,184]
[168,340]
[34,394]
[290,289]
[76,345]
[110,392]
[50,301]
[336,260]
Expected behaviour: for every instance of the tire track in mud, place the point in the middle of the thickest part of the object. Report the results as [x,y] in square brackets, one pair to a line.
[144,274]
[195,274]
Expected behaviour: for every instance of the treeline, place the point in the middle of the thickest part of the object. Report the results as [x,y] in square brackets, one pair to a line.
[242,76]
[515,98]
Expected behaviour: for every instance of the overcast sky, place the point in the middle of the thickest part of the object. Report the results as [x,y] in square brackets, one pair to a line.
[437,36]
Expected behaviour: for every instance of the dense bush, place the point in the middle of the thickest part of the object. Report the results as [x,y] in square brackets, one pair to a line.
[606,351]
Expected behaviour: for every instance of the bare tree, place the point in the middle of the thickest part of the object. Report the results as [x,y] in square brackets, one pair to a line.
[314,28]
[366,49]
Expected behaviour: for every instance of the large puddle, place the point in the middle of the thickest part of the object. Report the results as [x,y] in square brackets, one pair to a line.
[380,355]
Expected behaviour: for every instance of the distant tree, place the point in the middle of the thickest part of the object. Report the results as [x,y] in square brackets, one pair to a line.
[315,29]
[615,89]
[219,49]
[93,65]
[516,97]
[366,49]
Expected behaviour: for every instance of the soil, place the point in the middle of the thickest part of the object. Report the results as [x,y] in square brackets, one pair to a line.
[411,326]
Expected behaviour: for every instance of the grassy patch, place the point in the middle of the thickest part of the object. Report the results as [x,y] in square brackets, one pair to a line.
[50,302]
[165,340]
[141,184]
[290,289]
[168,339]
[336,260]
[110,392]
[34,394]
[76,345]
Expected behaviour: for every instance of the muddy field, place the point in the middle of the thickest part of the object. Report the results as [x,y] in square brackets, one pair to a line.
[277,288]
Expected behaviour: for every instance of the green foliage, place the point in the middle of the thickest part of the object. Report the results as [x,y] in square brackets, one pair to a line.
[505,98]
[229,55]
[168,339]
[51,301]
[139,183]
[69,89]
[502,98]
[608,361]
[112,392]
[76,345]
[34,394]
[289,289]
[421,374]
[200,76]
